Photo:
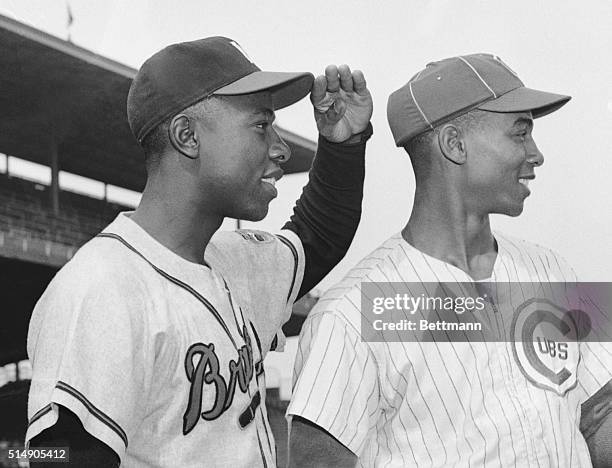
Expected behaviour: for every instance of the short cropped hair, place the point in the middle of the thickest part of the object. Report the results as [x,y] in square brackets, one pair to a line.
[420,145]
[157,141]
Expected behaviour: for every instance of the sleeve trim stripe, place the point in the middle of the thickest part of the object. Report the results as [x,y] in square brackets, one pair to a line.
[286,241]
[177,282]
[39,414]
[93,410]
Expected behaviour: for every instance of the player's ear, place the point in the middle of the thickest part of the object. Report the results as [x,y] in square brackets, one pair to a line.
[181,133]
[452,144]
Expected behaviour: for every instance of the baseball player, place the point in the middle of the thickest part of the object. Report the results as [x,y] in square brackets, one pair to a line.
[147,348]
[466,123]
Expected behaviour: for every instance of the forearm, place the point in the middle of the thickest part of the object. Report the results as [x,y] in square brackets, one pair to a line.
[600,443]
[327,214]
[313,447]
[596,426]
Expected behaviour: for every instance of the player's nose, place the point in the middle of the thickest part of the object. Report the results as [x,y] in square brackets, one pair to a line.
[534,155]
[279,151]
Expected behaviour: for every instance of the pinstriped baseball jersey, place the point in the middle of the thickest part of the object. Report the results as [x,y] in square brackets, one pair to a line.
[441,404]
[160,358]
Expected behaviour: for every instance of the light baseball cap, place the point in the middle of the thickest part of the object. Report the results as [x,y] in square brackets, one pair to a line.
[454,86]
[182,74]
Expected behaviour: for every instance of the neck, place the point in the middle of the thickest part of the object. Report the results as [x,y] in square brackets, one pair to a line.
[176,225]
[441,226]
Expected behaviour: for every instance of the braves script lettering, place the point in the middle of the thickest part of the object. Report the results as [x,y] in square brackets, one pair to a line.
[207,372]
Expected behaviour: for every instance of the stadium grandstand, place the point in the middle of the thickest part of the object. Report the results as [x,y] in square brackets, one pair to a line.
[68,165]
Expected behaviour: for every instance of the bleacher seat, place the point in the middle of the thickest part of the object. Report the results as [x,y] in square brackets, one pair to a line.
[25,210]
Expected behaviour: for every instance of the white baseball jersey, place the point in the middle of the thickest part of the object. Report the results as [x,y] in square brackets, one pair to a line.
[444,404]
[161,358]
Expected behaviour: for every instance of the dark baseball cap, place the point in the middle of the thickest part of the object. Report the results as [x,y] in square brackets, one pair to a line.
[454,86]
[182,74]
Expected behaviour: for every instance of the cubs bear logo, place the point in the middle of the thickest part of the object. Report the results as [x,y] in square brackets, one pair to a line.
[545,344]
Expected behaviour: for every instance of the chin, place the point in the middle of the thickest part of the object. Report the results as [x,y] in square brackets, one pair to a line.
[254,214]
[512,211]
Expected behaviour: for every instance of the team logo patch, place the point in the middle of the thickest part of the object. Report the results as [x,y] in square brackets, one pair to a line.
[259,237]
[545,345]
[207,381]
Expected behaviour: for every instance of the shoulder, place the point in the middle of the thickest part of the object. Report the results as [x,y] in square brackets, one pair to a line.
[343,300]
[226,244]
[264,272]
[534,256]
[101,261]
[251,237]
[520,245]
[96,288]
[99,275]
[259,258]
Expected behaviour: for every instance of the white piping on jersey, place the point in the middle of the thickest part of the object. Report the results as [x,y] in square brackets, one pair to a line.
[179,283]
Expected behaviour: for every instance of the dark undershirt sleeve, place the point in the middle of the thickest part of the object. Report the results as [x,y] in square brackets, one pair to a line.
[327,214]
[84,449]
[596,426]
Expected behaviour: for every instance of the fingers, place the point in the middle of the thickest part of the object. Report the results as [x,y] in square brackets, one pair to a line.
[346,79]
[342,103]
[331,74]
[337,84]
[359,82]
[319,88]
[341,77]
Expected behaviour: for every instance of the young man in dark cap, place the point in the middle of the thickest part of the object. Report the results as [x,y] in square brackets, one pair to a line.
[148,346]
[455,399]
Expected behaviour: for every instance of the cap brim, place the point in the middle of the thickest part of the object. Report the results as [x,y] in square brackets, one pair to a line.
[286,88]
[539,103]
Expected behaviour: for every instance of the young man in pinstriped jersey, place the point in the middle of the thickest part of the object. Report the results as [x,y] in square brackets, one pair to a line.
[466,123]
[147,348]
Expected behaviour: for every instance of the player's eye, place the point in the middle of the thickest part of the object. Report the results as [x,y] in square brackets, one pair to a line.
[262,125]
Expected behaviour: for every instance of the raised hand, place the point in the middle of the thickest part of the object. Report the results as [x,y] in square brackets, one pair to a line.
[342,103]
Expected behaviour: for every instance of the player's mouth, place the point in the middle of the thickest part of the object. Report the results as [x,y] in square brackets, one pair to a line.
[524,181]
[270,179]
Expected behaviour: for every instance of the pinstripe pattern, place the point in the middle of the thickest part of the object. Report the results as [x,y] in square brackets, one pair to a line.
[441,403]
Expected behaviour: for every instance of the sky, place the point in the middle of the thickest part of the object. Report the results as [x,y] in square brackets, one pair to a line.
[559,46]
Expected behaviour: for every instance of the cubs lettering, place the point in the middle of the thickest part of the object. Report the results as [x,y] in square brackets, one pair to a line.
[207,371]
[546,346]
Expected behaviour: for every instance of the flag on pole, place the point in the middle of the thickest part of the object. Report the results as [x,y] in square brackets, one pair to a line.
[69,20]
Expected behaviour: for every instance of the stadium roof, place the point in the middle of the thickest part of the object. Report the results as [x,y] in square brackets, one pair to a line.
[55,94]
